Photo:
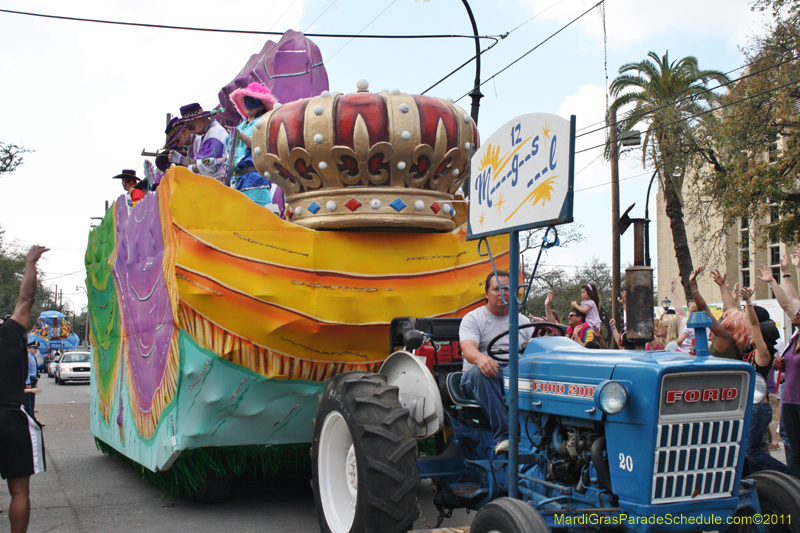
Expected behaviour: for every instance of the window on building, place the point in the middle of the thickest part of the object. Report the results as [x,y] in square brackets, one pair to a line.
[774,254]
[772,151]
[744,251]
[745,278]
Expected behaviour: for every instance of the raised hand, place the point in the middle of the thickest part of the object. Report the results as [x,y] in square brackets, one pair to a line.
[549,300]
[694,274]
[796,257]
[674,284]
[735,290]
[766,274]
[746,293]
[36,252]
[622,299]
[718,277]
[784,264]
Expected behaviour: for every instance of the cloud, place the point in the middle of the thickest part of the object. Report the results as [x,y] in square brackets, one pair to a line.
[589,107]
[628,21]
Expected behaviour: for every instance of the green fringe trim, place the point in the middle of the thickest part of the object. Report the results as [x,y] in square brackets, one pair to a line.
[188,473]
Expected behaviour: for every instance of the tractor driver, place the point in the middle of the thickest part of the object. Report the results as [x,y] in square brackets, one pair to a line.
[483,376]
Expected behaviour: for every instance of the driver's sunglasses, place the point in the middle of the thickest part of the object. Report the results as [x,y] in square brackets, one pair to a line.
[572,316]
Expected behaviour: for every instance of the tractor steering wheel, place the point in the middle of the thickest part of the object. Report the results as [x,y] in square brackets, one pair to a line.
[491,352]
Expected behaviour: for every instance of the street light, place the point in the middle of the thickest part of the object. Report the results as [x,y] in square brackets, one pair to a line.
[665,303]
[476,89]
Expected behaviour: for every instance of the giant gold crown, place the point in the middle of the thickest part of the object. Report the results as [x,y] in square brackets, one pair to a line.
[367,160]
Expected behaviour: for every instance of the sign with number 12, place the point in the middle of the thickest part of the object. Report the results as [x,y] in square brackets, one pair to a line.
[522,176]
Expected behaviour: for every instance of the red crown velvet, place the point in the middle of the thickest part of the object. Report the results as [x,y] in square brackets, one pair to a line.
[385,160]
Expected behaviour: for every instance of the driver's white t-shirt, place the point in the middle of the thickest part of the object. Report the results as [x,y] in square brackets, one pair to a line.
[482,326]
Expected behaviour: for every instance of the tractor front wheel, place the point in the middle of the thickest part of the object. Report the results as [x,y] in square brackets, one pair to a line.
[364,457]
[508,515]
[779,498]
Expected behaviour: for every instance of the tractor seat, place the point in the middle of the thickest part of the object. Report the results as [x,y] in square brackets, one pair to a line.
[454,388]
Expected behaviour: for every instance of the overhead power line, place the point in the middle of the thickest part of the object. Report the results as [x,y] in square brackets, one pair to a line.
[250,32]
[689,97]
[707,111]
[520,58]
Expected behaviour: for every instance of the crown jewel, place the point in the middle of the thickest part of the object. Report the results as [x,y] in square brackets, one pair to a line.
[369,160]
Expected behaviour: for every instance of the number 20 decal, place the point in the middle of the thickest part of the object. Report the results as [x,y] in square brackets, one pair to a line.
[626,462]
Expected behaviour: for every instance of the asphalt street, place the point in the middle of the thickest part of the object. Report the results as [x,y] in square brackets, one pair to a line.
[85,491]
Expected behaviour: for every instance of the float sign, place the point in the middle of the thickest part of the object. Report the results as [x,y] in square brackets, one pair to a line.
[522,176]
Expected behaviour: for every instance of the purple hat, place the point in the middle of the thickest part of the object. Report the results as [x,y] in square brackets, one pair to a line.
[174,128]
[126,174]
[192,111]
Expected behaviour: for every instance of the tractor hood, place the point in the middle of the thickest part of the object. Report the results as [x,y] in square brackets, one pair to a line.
[558,376]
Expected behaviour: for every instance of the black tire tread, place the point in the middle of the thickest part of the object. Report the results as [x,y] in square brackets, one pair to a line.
[385,448]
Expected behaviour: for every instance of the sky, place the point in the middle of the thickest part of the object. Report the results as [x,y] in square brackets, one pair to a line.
[88,98]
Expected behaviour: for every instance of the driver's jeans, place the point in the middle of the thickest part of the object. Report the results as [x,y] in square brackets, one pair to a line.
[490,394]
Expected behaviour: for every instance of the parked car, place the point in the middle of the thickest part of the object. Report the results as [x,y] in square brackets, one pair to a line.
[74,366]
[53,364]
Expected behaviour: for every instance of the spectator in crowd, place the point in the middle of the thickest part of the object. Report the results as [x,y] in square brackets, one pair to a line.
[730,335]
[659,341]
[483,375]
[250,102]
[207,144]
[764,335]
[590,304]
[669,322]
[33,378]
[579,330]
[134,188]
[21,445]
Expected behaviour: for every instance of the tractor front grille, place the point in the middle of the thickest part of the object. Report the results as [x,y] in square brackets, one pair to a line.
[696,460]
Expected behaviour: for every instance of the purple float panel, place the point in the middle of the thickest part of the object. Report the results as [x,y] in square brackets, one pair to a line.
[292,69]
[144,298]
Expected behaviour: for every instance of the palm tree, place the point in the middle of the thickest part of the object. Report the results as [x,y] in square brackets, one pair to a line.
[667,97]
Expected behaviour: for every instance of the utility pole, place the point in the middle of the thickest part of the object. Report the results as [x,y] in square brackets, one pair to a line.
[614,156]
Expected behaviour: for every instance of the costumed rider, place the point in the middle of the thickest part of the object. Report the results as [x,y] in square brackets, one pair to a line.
[177,143]
[483,376]
[251,102]
[134,187]
[33,378]
[208,141]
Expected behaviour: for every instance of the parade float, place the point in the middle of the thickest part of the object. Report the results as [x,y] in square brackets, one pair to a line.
[215,323]
[53,333]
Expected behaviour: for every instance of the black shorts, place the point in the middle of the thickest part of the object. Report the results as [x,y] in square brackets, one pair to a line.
[21,444]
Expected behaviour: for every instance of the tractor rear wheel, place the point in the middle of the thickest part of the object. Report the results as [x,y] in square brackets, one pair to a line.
[508,515]
[779,498]
[364,457]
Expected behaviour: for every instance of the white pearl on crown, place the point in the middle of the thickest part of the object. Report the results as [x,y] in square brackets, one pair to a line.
[401,165]
[375,203]
[318,138]
[362,85]
[318,110]
[323,165]
[403,108]
[406,135]
[331,205]
[419,205]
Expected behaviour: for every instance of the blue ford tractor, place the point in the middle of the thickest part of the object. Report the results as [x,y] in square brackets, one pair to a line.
[624,440]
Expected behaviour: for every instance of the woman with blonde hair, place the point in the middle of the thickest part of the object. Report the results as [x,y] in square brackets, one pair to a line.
[670,323]
[659,336]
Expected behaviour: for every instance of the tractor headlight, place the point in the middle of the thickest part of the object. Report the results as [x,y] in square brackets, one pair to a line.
[611,397]
[760,389]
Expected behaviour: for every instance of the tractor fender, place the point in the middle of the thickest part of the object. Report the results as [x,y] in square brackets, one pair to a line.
[418,392]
